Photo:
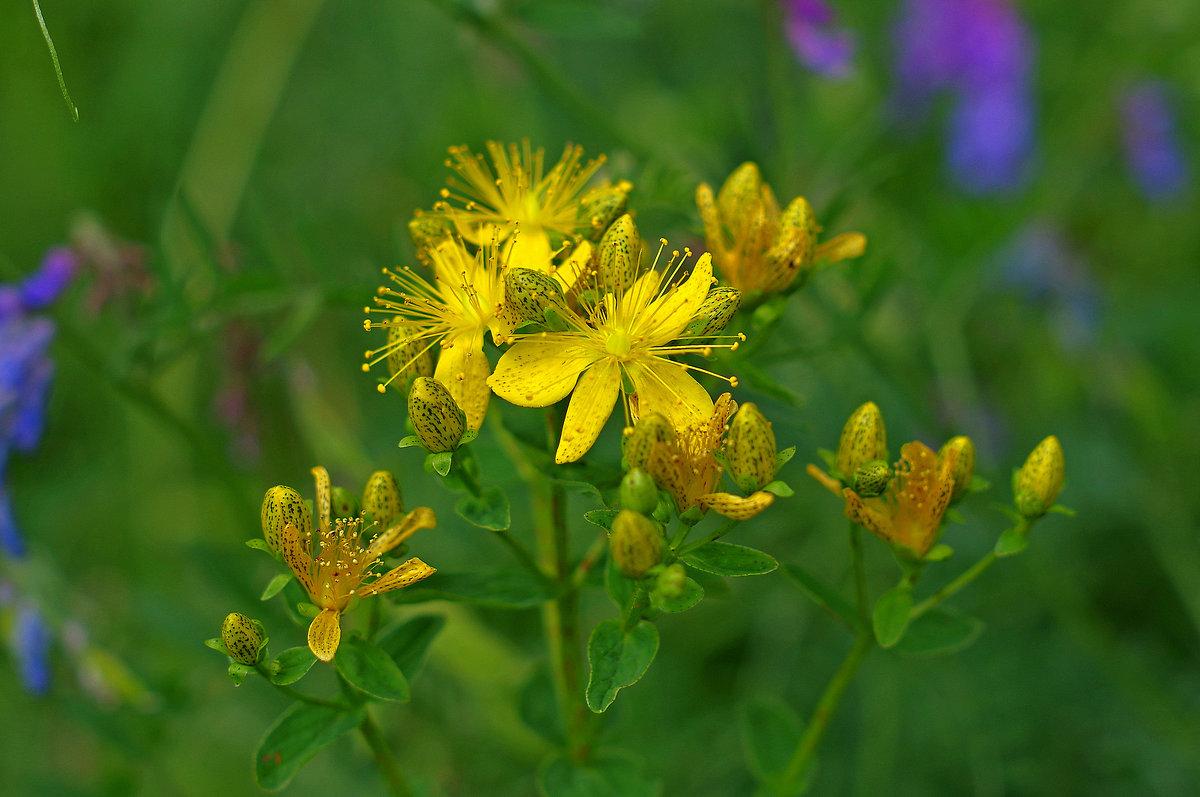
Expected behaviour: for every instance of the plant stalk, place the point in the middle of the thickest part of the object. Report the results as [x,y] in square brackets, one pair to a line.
[385,760]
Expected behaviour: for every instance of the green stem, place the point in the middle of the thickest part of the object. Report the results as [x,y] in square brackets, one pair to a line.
[681,534]
[62,83]
[296,694]
[818,723]
[954,586]
[715,534]
[515,546]
[860,575]
[589,560]
[388,766]
[633,609]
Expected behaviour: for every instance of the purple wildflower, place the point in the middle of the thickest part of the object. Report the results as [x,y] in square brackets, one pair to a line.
[30,642]
[1152,148]
[817,45]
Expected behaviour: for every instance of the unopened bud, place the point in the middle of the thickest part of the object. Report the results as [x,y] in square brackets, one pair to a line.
[602,204]
[638,492]
[529,293]
[619,254]
[718,309]
[963,451]
[1038,482]
[436,417]
[794,249]
[646,433]
[871,478]
[741,194]
[411,356]
[635,542]
[864,439]
[750,449]
[343,503]
[243,638]
[671,582]
[281,506]
[428,231]
[382,498]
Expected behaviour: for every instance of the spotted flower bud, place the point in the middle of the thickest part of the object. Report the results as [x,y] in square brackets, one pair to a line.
[1038,482]
[871,478]
[243,638]
[671,582]
[639,441]
[718,309]
[344,504]
[638,492]
[282,506]
[750,449]
[410,356]
[603,204]
[529,293]
[428,231]
[436,417]
[864,439]
[635,542]
[963,451]
[619,254]
[383,499]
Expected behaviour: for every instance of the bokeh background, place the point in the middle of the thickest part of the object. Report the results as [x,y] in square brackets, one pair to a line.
[240,171]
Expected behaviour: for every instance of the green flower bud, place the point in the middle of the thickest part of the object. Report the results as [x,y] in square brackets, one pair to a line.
[864,439]
[281,506]
[640,440]
[600,206]
[635,542]
[963,450]
[428,231]
[436,417]
[871,478]
[638,492]
[740,198]
[243,638]
[383,498]
[620,252]
[528,294]
[671,582]
[343,503]
[413,357]
[1038,482]
[750,449]
[719,307]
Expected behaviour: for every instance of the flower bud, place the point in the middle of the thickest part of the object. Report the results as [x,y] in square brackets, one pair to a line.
[963,451]
[343,503]
[719,307]
[871,478]
[243,638]
[750,449]
[638,492]
[529,293]
[620,252]
[740,197]
[1037,483]
[411,356]
[383,498]
[864,439]
[603,204]
[646,433]
[436,417]
[428,231]
[671,582]
[793,251]
[635,542]
[281,506]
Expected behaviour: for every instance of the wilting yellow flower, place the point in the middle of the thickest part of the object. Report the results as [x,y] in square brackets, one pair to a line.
[909,513]
[625,328]
[343,568]
[757,248]
[517,195]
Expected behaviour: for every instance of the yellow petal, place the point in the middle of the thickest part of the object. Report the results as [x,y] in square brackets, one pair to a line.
[737,507]
[667,315]
[323,499]
[410,572]
[296,553]
[529,247]
[851,244]
[576,266]
[539,371]
[637,297]
[463,368]
[665,387]
[420,518]
[869,517]
[591,404]
[325,634]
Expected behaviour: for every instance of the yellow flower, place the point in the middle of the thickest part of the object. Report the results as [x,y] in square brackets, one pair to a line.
[343,569]
[517,195]
[909,513]
[622,334]
[757,248]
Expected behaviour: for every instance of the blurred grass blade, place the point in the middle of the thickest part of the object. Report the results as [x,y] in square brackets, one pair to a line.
[62,83]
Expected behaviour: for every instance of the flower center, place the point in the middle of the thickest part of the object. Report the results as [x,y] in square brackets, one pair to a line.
[618,343]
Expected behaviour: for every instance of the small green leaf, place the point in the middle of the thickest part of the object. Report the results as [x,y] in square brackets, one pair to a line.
[784,457]
[276,584]
[939,553]
[940,631]
[488,511]
[770,733]
[297,736]
[291,665]
[306,609]
[891,614]
[727,559]
[259,544]
[439,462]
[1011,542]
[217,645]
[468,436]
[501,589]
[371,670]
[238,672]
[407,642]
[979,485]
[823,595]
[601,517]
[409,441]
[780,488]
[617,659]
[607,774]
[619,587]
[692,594]
[1059,509]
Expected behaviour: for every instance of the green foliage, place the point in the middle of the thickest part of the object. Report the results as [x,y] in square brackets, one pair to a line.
[299,734]
[368,668]
[891,616]
[939,631]
[727,559]
[488,510]
[291,665]
[618,658]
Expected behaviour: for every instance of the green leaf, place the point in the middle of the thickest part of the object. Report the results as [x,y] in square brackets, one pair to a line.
[408,642]
[488,511]
[468,436]
[607,774]
[238,672]
[770,733]
[891,614]
[216,644]
[618,586]
[617,659]
[276,584]
[580,19]
[291,665]
[727,559]
[307,609]
[601,517]
[297,736]
[1011,542]
[259,544]
[371,670]
[409,441]
[439,462]
[692,594]
[823,595]
[939,553]
[780,488]
[940,631]
[501,589]
[784,457]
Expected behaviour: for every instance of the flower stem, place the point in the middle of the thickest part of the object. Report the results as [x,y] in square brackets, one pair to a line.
[860,575]
[388,766]
[954,586]
[715,534]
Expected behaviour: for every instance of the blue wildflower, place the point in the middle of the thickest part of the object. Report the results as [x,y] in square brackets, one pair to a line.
[30,642]
[1152,148]
[817,45]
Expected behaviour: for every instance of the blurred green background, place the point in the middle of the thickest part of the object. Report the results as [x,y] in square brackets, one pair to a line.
[265,156]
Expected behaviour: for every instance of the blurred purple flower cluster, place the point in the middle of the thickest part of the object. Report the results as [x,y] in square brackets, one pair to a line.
[816,43]
[1152,147]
